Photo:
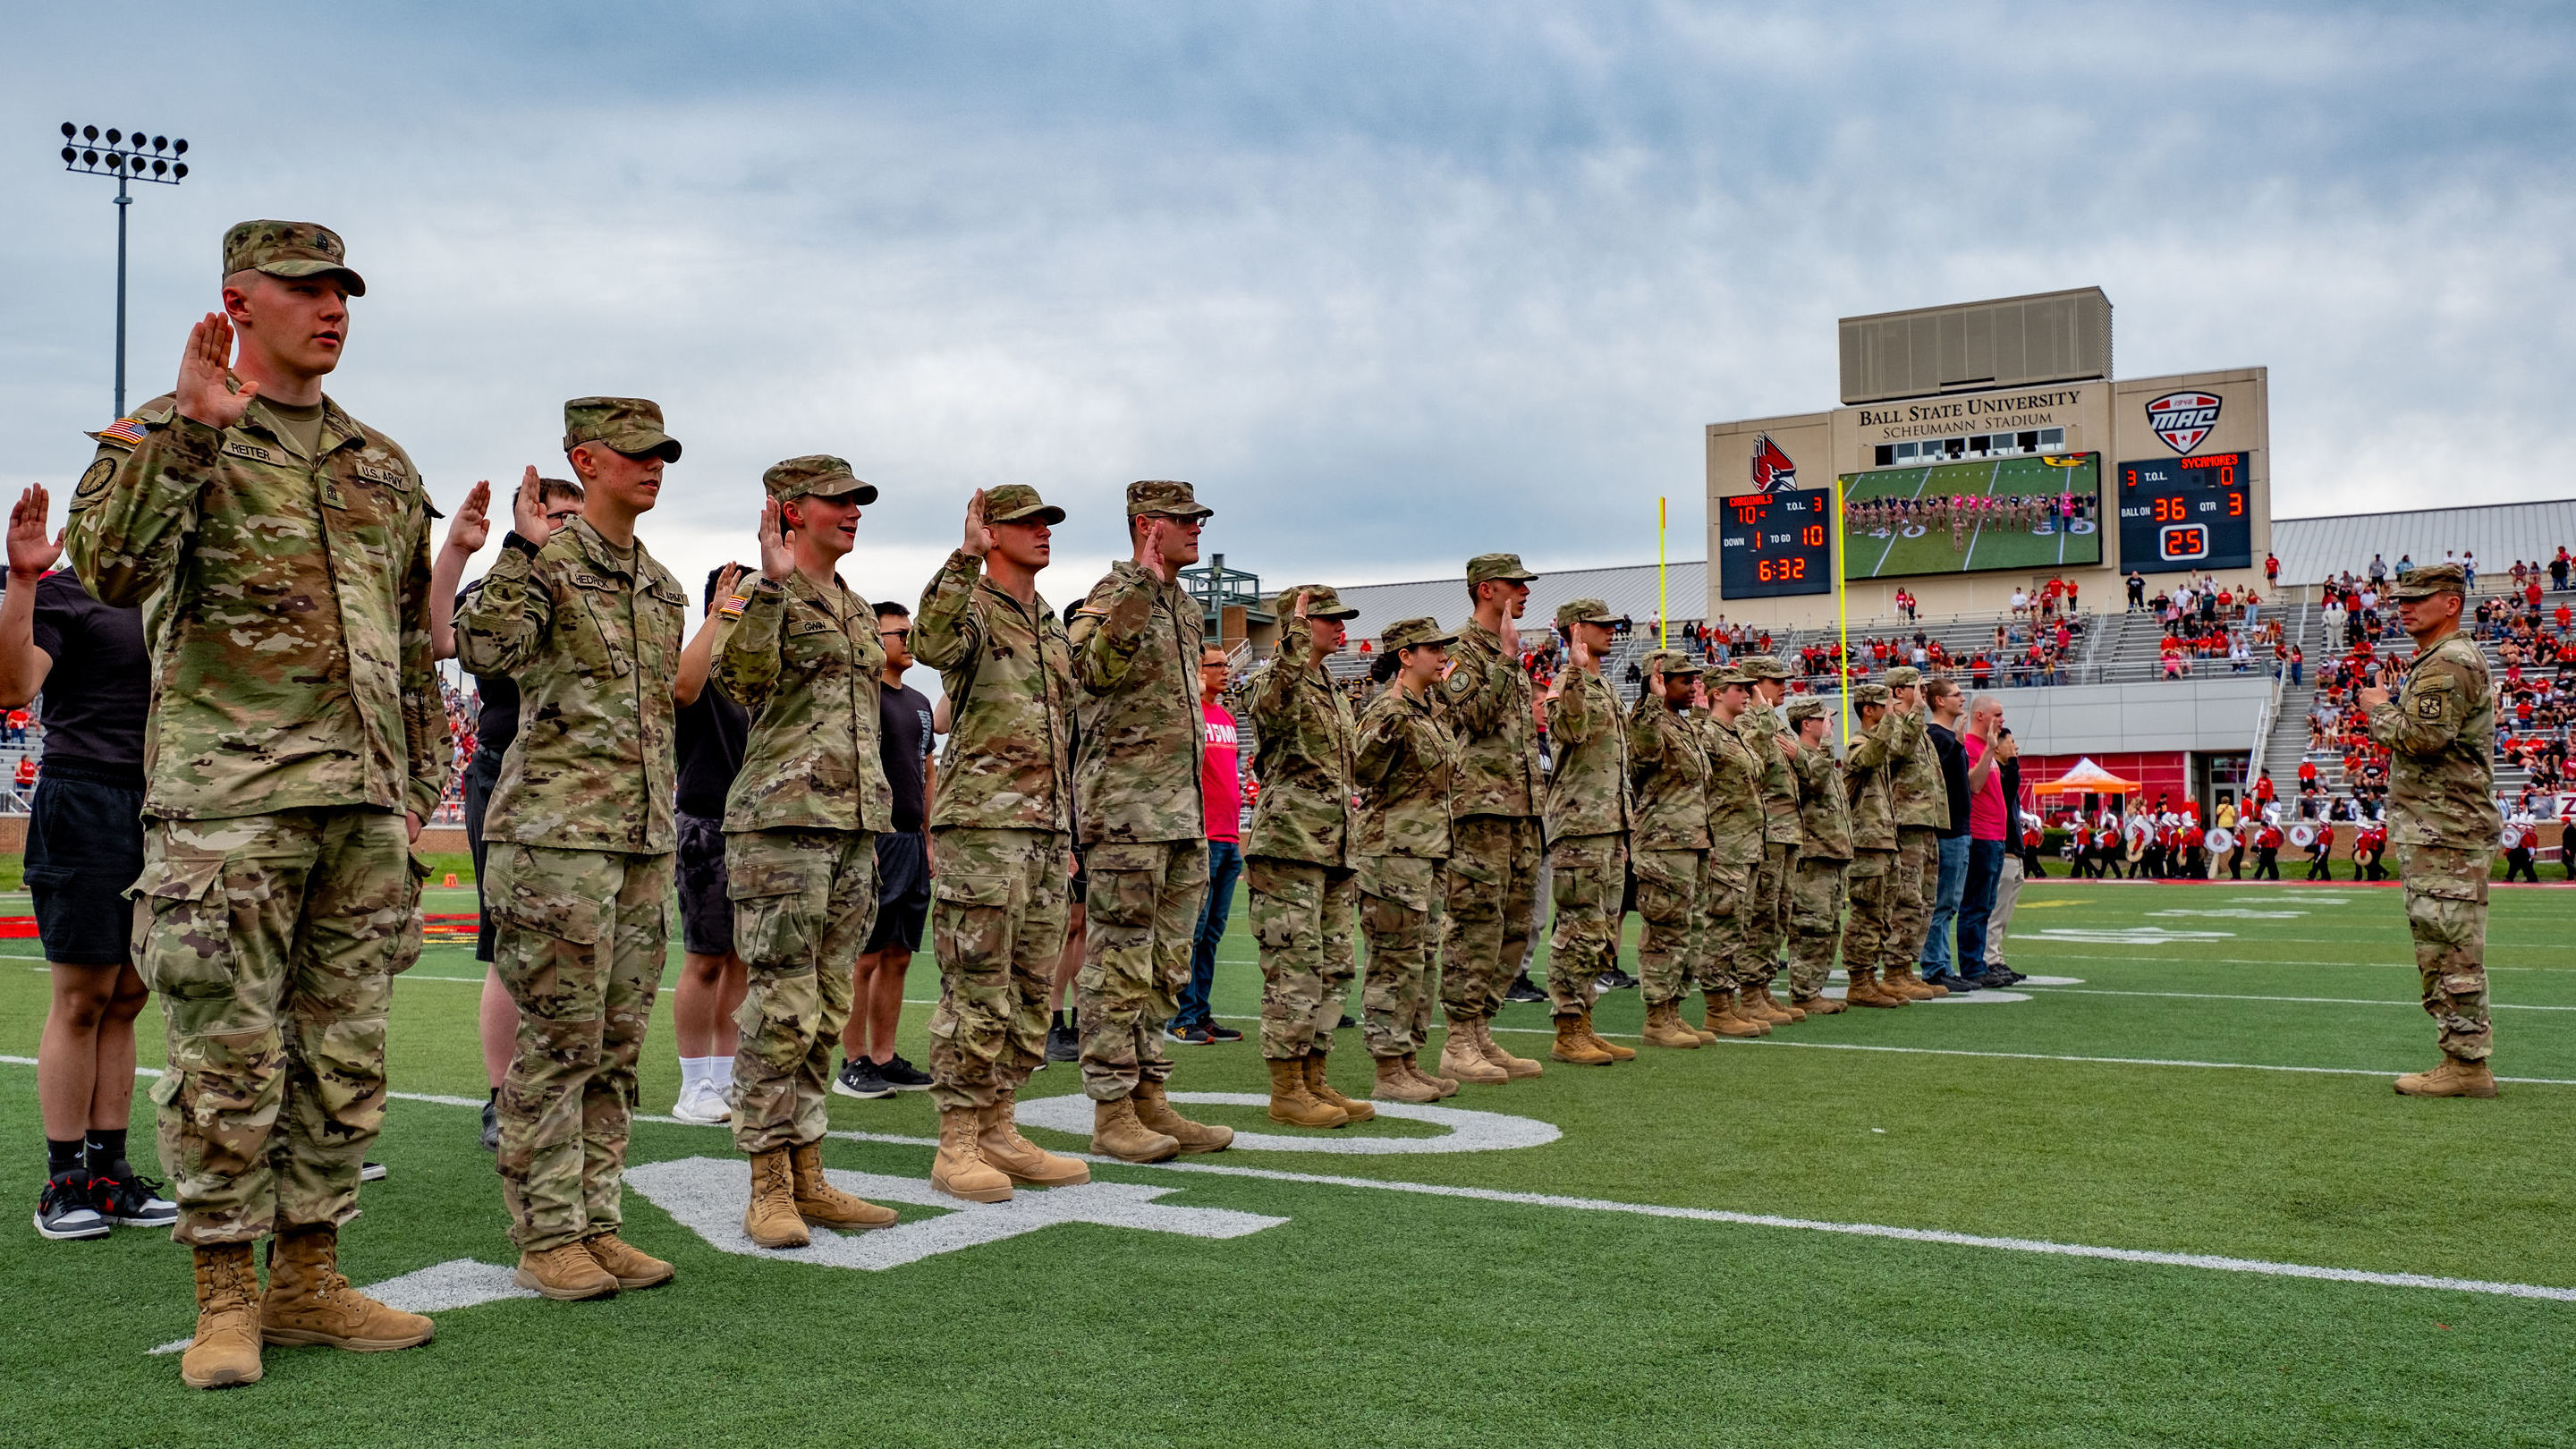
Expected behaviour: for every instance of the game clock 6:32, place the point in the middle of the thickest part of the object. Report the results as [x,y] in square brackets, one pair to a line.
[1772,544]
[2186,513]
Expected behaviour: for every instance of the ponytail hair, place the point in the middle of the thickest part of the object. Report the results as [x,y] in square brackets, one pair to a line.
[1383,667]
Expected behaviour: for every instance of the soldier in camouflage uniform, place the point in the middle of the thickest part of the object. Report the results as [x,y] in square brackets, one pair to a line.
[1491,895]
[1922,810]
[579,839]
[1143,821]
[1588,818]
[1735,846]
[1297,857]
[1003,823]
[1405,764]
[2439,729]
[1767,928]
[1668,778]
[295,745]
[1816,884]
[1868,942]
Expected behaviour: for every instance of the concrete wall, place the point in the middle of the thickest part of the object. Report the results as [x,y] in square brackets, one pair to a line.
[2099,719]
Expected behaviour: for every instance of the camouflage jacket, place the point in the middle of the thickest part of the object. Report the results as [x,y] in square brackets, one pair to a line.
[1734,793]
[1868,782]
[807,665]
[1136,658]
[2439,729]
[1824,815]
[1761,725]
[290,633]
[1489,705]
[1008,674]
[1921,796]
[1588,792]
[1668,777]
[1303,740]
[1406,762]
[594,643]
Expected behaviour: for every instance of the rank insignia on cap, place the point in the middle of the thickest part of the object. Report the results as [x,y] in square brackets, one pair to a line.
[123,430]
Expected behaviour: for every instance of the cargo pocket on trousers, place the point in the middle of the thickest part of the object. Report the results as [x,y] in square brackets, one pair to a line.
[407,950]
[971,937]
[780,1016]
[769,920]
[183,946]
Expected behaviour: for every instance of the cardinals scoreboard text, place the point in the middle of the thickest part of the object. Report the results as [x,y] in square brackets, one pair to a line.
[2186,513]
[1773,544]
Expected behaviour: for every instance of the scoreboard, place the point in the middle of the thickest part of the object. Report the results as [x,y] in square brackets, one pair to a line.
[2186,513]
[1774,544]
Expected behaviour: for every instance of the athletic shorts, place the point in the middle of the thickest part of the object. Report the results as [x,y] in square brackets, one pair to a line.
[1081,884]
[478,799]
[706,913]
[903,891]
[84,847]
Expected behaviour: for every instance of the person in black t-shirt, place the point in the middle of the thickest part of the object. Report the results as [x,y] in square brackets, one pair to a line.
[870,1066]
[710,733]
[84,847]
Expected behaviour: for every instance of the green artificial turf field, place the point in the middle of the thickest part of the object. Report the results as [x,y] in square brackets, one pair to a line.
[1854,1231]
[1873,556]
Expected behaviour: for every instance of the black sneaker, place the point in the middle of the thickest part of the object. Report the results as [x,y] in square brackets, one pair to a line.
[67,1211]
[2003,976]
[1345,1023]
[1615,979]
[1064,1044]
[1190,1035]
[491,1124]
[1522,989]
[371,1172]
[902,1075]
[1223,1033]
[859,1079]
[130,1200]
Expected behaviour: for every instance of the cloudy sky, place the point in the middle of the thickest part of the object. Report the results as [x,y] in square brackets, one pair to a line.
[1393,284]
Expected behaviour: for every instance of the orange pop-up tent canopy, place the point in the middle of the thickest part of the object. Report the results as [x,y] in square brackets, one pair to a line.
[2087,778]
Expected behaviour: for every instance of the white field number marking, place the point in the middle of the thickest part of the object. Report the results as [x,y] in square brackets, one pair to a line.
[2126,935]
[1468,1131]
[2238,913]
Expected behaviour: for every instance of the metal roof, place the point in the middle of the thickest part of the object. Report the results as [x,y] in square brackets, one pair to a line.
[1628,590]
[2497,533]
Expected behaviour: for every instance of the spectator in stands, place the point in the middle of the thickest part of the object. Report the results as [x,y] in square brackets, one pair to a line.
[870,1067]
[2137,591]
[17,726]
[1221,785]
[2558,570]
[1947,704]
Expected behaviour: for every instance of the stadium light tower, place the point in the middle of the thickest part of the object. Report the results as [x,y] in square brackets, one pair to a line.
[124,156]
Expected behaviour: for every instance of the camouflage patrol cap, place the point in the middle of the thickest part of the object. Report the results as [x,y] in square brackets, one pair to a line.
[2425,580]
[1672,663]
[1762,666]
[1804,708]
[815,475]
[1583,611]
[1164,496]
[631,425]
[290,249]
[1863,695]
[1903,676]
[1406,633]
[1013,502]
[1486,567]
[1321,603]
[1717,679]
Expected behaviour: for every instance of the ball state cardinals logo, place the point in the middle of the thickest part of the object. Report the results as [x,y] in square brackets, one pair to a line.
[1772,470]
[2183,419]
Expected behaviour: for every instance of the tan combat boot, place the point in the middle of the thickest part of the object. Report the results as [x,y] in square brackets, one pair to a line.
[1396,1084]
[309,1302]
[770,1219]
[959,1168]
[1903,979]
[567,1274]
[631,1266]
[1440,1082]
[1795,1011]
[225,1352]
[1866,991]
[1818,1005]
[1755,1003]
[1115,1132]
[1292,1102]
[1317,1083]
[1513,1067]
[1617,1052]
[817,1201]
[1462,1058]
[1722,1019]
[1664,1029]
[1575,1045]
[1022,1161]
[2453,1078]
[1154,1110]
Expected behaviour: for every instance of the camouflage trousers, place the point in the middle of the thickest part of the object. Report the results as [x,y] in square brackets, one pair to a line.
[1302,923]
[1869,941]
[1671,885]
[803,903]
[1396,893]
[2446,910]
[1766,916]
[273,941]
[1816,893]
[1144,918]
[997,922]
[1489,911]
[1588,877]
[581,941]
[1918,876]
[1717,930]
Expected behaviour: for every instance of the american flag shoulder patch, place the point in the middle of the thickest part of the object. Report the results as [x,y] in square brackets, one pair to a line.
[123,430]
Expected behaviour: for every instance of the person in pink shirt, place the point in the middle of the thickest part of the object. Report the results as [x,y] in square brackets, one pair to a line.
[1989,829]
[1221,780]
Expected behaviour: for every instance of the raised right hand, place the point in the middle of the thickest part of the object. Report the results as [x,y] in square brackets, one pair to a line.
[979,537]
[472,525]
[777,559]
[528,508]
[203,397]
[30,553]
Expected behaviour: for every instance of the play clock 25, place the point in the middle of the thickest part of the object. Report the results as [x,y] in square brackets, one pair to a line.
[2186,513]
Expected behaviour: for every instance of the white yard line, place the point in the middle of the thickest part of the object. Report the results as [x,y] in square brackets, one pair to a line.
[2319,1000]
[1851,1046]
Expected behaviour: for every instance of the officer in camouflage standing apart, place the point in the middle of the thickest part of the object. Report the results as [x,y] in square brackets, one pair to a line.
[1668,777]
[1405,764]
[1491,896]
[1137,804]
[1734,856]
[1868,942]
[291,756]
[1767,924]
[1922,801]
[1297,858]
[1816,885]
[1588,819]
[2439,729]
[579,842]
[1002,821]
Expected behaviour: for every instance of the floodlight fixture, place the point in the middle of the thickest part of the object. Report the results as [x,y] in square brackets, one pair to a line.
[123,156]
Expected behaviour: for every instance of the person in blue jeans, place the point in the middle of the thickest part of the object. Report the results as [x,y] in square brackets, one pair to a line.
[1221,778]
[1947,704]
[1990,828]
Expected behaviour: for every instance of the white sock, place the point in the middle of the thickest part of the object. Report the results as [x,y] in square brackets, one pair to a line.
[693,1070]
[720,1071]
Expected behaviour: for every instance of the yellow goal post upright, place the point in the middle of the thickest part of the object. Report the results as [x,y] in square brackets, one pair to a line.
[1663,604]
[1842,615]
